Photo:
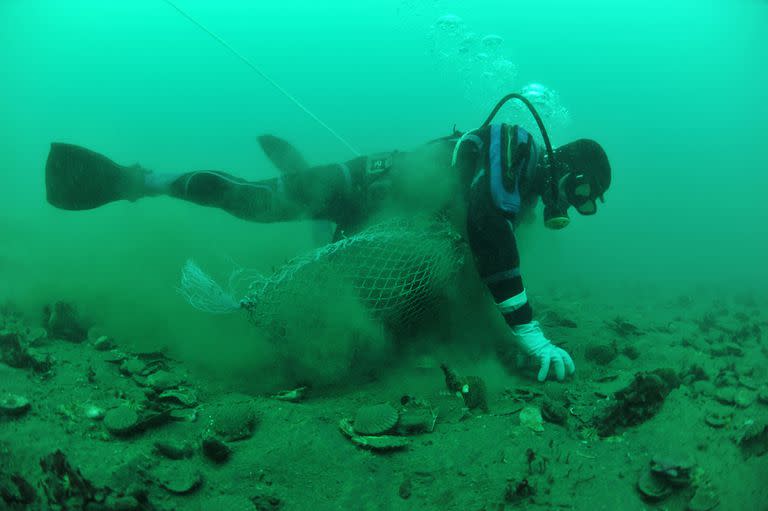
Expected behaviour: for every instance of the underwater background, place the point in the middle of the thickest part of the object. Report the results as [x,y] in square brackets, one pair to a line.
[675,92]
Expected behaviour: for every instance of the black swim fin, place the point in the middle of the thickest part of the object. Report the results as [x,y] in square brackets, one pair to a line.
[77,178]
[282,154]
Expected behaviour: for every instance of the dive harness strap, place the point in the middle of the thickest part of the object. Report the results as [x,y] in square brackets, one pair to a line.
[508,158]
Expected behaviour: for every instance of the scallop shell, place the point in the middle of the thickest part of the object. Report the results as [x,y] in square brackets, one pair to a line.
[375,419]
[184,397]
[178,477]
[234,418]
[651,487]
[121,421]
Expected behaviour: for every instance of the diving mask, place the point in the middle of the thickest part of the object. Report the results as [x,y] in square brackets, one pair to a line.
[577,176]
[573,190]
[580,193]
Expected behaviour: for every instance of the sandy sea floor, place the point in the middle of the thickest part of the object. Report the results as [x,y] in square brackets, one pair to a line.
[668,410]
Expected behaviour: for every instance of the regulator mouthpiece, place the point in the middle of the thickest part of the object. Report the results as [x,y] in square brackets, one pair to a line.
[555,218]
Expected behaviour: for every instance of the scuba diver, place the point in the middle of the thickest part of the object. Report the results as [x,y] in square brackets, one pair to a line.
[497,173]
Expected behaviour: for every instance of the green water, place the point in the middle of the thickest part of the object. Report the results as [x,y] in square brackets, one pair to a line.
[674,90]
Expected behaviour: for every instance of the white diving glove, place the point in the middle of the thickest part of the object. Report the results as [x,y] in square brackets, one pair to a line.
[532,342]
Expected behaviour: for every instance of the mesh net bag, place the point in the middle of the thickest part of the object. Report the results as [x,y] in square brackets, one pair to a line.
[396,271]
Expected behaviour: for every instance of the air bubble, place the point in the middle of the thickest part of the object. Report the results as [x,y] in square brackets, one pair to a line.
[505,67]
[547,102]
[450,23]
[492,42]
[467,45]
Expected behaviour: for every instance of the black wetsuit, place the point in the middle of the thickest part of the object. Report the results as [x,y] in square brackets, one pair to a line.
[345,194]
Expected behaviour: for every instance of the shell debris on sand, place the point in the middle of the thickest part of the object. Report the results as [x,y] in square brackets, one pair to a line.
[12,405]
[416,420]
[292,396]
[178,477]
[530,416]
[372,442]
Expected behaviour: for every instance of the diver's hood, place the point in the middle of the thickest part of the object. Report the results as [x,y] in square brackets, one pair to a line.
[585,156]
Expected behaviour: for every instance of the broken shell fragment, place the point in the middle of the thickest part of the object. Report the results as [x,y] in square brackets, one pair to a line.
[676,472]
[744,398]
[292,396]
[183,414]
[12,405]
[414,421]
[726,395]
[530,417]
[164,380]
[178,477]
[373,442]
[184,397]
[748,382]
[115,357]
[104,343]
[93,412]
[132,366]
[37,336]
[717,419]
[174,449]
[705,499]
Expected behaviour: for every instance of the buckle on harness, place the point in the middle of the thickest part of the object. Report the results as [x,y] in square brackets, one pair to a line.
[378,184]
[378,164]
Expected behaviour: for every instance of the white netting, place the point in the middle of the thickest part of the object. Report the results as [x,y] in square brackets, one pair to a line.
[395,271]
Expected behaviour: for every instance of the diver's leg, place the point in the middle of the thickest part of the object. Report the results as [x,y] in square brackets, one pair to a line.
[258,201]
[77,178]
[320,193]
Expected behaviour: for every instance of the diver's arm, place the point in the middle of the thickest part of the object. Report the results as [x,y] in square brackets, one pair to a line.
[494,246]
[492,240]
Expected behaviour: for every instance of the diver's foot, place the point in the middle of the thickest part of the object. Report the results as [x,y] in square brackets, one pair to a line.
[158,183]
